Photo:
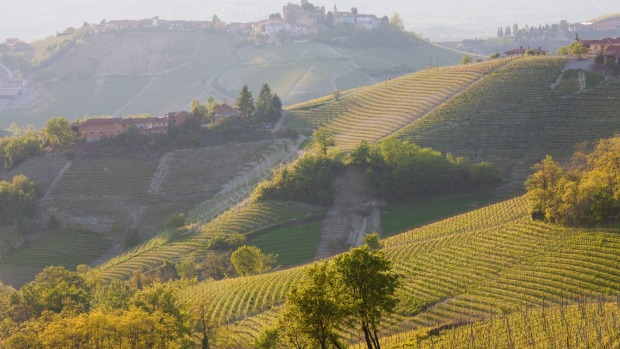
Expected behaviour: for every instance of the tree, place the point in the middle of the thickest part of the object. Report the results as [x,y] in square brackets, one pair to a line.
[466,59]
[372,241]
[575,49]
[17,199]
[58,133]
[245,104]
[366,279]
[496,55]
[396,21]
[56,288]
[198,111]
[542,187]
[175,221]
[247,260]
[507,32]
[313,307]
[264,101]
[275,109]
[323,139]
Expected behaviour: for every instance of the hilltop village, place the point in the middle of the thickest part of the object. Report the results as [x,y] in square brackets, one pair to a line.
[295,20]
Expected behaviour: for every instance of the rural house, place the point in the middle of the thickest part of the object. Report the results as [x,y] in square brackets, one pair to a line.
[225,112]
[597,47]
[95,129]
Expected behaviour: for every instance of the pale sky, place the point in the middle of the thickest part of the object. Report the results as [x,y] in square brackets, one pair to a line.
[434,19]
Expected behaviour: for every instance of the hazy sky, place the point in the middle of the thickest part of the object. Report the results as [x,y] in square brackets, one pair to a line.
[435,19]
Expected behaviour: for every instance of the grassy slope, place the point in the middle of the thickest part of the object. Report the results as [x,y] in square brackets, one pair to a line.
[374,112]
[473,266]
[513,118]
[66,247]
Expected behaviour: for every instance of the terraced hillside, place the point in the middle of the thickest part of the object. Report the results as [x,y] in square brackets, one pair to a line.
[513,117]
[374,112]
[108,194]
[475,266]
[169,248]
[587,324]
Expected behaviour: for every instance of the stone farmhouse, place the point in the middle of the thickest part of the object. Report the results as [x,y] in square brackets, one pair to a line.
[94,130]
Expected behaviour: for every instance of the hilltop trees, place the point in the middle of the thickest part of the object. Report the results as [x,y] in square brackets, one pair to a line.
[17,199]
[268,106]
[58,133]
[575,49]
[586,194]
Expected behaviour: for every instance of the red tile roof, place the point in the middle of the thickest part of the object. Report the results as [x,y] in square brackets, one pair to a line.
[613,51]
[225,109]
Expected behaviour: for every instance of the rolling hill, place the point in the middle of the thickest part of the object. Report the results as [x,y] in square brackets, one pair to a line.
[471,267]
[468,271]
[509,112]
[136,72]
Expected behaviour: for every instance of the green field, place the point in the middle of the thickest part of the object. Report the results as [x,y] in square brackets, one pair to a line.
[292,245]
[398,217]
[65,247]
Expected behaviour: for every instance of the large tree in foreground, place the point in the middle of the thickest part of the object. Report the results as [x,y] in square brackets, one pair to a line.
[366,281]
[315,309]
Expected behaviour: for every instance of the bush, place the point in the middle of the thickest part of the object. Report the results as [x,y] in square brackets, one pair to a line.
[175,221]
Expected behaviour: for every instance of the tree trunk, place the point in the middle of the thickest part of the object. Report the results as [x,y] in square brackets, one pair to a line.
[376,339]
[367,335]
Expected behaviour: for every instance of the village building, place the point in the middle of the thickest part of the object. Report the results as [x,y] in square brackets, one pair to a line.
[177,118]
[597,47]
[94,130]
[225,112]
[304,18]
[521,51]
[612,53]
[18,46]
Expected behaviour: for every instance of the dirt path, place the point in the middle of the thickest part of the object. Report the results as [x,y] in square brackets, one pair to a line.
[355,213]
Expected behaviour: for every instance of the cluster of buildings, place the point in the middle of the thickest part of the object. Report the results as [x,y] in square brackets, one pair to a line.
[296,19]
[18,46]
[609,48]
[305,18]
[93,130]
